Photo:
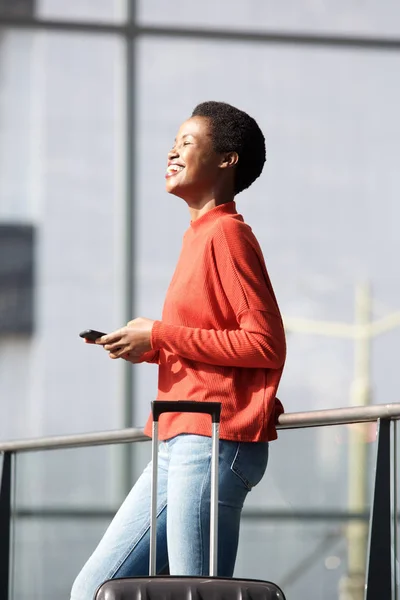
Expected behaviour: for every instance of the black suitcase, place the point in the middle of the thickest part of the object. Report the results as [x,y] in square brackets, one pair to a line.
[158,587]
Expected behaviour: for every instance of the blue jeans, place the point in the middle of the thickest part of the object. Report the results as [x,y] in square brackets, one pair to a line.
[183,519]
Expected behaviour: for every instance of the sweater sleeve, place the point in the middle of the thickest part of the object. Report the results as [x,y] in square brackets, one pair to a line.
[153,356]
[258,341]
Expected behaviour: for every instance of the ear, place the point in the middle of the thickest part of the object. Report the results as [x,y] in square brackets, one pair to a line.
[229,160]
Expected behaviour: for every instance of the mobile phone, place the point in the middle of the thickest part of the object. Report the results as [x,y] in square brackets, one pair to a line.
[91,334]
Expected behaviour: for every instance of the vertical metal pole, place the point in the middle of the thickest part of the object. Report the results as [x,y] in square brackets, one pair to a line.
[214,501]
[153,510]
[129,270]
[5,526]
[394,511]
[379,572]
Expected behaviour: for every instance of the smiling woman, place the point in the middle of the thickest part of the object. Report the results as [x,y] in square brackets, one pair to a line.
[194,166]
[220,338]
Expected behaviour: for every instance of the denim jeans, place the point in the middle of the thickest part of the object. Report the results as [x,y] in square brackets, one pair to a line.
[183,513]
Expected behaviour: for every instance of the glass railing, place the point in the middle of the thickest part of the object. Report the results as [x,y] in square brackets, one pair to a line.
[320,524]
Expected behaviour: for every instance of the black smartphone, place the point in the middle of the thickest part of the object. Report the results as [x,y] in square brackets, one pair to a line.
[91,334]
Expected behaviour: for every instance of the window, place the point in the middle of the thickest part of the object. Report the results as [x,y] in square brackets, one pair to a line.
[20,8]
[16,278]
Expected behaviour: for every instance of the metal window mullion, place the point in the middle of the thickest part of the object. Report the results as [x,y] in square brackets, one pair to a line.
[128,238]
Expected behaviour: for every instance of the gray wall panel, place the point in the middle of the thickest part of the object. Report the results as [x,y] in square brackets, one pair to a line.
[86,10]
[374,17]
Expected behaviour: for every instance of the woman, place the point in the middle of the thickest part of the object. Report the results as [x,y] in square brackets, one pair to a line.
[220,338]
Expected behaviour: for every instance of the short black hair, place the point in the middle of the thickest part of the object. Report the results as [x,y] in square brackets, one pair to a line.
[233,130]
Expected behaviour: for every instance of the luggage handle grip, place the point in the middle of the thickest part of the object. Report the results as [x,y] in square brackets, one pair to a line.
[188,406]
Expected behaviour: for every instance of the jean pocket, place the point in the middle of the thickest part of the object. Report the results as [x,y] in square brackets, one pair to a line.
[250,462]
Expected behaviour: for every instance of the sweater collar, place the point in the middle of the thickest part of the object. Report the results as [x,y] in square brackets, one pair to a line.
[229,208]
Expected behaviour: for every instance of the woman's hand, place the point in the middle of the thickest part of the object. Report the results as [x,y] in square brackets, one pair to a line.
[129,342]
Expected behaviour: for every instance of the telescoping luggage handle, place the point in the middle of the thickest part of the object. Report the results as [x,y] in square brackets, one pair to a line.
[214,410]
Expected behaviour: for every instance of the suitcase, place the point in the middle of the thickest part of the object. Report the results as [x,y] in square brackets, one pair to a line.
[159,587]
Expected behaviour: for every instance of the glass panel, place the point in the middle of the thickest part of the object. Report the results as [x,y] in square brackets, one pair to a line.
[319,469]
[62,170]
[65,500]
[49,553]
[307,558]
[83,10]
[376,17]
[325,209]
[296,527]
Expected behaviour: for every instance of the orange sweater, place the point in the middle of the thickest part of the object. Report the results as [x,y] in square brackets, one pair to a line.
[221,336]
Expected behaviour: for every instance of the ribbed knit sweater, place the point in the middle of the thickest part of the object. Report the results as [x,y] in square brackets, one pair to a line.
[221,336]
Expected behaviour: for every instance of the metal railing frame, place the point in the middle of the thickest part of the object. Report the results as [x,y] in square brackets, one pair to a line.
[381,572]
[315,418]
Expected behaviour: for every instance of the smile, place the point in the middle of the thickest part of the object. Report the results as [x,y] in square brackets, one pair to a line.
[173,170]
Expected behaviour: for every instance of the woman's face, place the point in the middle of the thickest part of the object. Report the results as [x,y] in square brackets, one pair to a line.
[193,165]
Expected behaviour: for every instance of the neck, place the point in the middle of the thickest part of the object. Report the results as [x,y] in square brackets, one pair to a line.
[199,206]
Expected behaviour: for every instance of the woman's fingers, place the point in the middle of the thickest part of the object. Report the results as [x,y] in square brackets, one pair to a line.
[133,339]
[110,338]
[116,346]
[122,353]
